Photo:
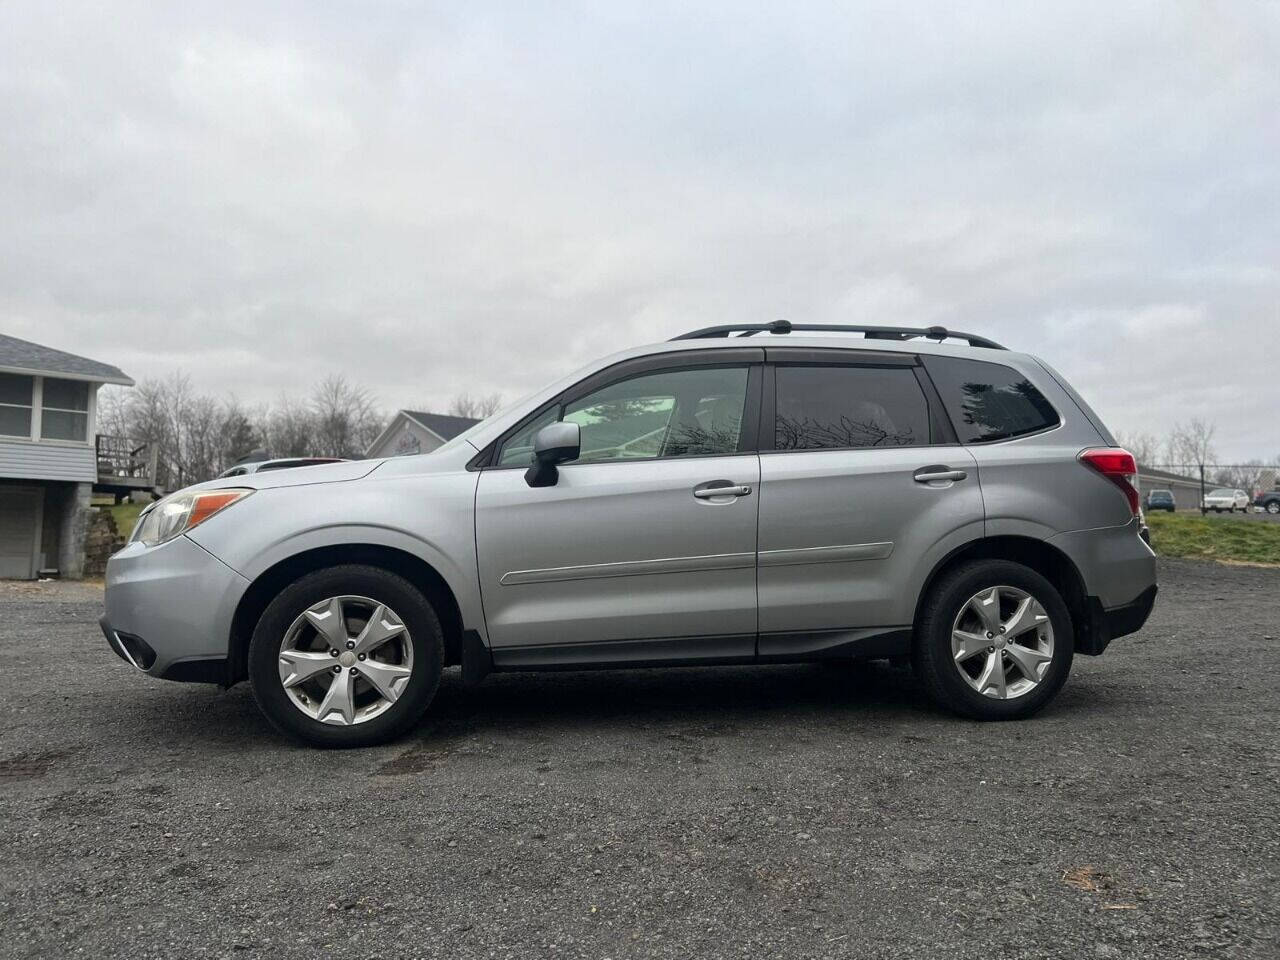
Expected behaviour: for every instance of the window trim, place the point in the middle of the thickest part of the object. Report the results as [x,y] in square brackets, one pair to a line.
[750,357]
[941,431]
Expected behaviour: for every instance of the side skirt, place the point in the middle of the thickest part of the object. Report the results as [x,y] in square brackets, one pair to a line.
[867,644]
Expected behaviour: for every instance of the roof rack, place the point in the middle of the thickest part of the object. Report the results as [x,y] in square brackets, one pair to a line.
[870,333]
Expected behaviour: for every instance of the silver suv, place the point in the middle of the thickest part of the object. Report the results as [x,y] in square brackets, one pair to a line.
[719,499]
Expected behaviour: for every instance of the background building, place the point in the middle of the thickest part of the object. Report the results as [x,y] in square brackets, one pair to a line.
[413,431]
[48,456]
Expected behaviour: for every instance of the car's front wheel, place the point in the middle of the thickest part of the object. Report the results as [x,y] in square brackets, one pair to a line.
[994,641]
[1273,506]
[346,657]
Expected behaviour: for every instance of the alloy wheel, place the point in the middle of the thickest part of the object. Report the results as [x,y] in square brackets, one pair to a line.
[1002,642]
[346,660]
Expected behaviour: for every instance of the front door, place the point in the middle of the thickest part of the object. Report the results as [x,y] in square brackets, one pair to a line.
[861,488]
[631,556]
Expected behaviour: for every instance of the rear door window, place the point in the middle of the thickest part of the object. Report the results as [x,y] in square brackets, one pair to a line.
[989,401]
[839,407]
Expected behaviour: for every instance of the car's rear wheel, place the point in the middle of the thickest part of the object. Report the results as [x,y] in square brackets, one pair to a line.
[1273,506]
[346,657]
[994,641]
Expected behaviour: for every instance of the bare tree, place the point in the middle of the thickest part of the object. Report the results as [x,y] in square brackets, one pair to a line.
[1144,447]
[289,429]
[347,419]
[198,435]
[1192,442]
[465,405]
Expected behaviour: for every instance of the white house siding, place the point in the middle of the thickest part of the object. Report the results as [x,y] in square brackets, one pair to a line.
[23,459]
[406,439]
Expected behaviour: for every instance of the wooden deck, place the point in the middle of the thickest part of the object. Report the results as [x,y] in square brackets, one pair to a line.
[125,464]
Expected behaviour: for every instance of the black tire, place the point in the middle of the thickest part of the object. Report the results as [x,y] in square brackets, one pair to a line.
[1273,507]
[364,581]
[931,650]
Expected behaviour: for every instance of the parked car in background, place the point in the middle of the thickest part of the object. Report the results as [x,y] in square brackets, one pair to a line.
[1224,498]
[1268,500]
[284,463]
[1161,500]
[718,499]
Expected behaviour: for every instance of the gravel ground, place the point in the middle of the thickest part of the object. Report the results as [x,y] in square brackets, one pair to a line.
[803,811]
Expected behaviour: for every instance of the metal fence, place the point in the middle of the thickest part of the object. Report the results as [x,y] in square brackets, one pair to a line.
[1194,480]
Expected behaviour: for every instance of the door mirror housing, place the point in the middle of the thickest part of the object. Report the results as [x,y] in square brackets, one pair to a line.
[554,444]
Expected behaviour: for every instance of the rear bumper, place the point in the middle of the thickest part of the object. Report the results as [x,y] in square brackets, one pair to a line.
[1106,624]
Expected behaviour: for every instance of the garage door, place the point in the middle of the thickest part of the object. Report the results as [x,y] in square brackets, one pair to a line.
[19,526]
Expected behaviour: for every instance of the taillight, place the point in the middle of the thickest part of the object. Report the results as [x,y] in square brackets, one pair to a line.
[1120,468]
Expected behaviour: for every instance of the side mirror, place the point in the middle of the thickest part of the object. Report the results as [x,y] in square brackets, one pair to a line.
[555,443]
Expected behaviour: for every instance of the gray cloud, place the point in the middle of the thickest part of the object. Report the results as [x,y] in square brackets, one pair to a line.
[477,198]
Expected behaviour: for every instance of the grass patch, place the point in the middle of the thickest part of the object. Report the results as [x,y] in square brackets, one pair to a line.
[1229,539]
[126,515]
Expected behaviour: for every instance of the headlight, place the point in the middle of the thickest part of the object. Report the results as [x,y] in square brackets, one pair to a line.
[176,514]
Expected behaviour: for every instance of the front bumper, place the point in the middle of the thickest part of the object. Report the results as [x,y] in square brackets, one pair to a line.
[169,610]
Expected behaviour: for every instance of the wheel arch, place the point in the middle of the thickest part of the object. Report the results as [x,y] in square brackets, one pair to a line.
[1047,560]
[275,578]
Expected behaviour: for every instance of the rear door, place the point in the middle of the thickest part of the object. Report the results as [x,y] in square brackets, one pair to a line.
[861,482]
[631,556]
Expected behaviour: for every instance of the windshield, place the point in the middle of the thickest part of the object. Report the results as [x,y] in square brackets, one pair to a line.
[1223,492]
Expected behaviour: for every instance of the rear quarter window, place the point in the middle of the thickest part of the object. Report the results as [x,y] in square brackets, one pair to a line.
[989,401]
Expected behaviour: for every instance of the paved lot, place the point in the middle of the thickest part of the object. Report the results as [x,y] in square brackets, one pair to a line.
[746,812]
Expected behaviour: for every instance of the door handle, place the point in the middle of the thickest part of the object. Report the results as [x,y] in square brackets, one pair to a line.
[721,488]
[937,472]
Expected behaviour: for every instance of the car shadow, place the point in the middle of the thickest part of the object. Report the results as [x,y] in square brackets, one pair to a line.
[540,705]
[687,695]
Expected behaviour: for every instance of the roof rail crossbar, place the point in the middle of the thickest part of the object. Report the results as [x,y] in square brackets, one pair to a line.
[869,332]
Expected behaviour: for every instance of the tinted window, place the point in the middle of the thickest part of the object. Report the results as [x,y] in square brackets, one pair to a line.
[838,407]
[989,401]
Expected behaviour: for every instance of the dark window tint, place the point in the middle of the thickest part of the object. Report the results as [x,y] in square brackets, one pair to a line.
[836,407]
[989,401]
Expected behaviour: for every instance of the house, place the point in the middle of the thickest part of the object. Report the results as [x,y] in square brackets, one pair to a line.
[412,431]
[48,455]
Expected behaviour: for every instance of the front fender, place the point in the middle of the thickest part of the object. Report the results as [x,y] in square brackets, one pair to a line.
[429,517]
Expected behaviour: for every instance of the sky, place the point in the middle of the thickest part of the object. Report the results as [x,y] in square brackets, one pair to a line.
[438,198]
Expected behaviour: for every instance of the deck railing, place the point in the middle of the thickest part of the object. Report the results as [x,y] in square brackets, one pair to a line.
[126,462]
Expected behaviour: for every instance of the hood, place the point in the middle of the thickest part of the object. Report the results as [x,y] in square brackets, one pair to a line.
[295,476]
